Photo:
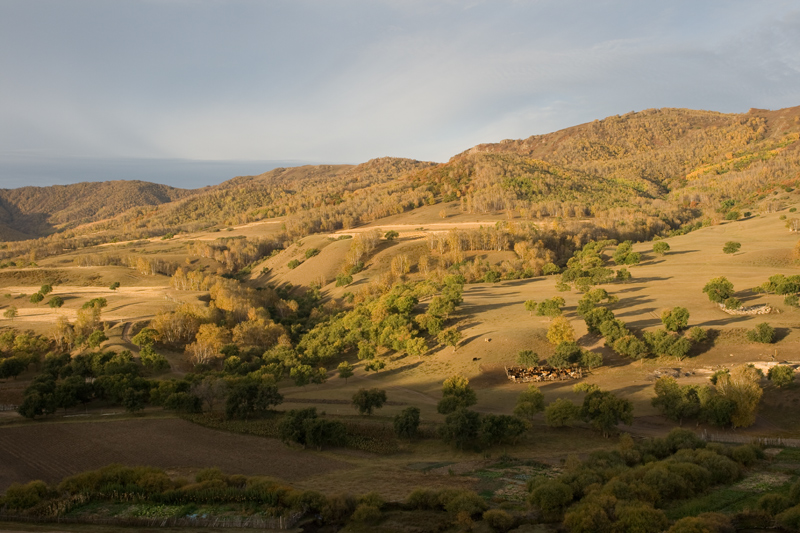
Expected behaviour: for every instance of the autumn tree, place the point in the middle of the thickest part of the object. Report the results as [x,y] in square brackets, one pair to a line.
[208,343]
[560,330]
[456,394]
[742,386]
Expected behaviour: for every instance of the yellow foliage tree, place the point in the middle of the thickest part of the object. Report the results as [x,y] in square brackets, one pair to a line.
[742,386]
[560,330]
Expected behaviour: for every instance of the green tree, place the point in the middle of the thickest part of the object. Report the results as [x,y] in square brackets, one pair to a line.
[660,247]
[367,400]
[527,358]
[763,333]
[460,428]
[345,370]
[561,412]
[604,411]
[732,303]
[406,424]
[291,427]
[550,307]
[675,319]
[251,398]
[320,432]
[391,235]
[11,313]
[781,375]
[456,394]
[114,286]
[301,374]
[46,289]
[55,302]
[731,247]
[96,339]
[497,429]
[718,289]
[529,402]
[36,297]
[294,263]
[450,337]
[530,306]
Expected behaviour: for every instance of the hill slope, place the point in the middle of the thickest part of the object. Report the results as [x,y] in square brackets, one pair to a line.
[37,211]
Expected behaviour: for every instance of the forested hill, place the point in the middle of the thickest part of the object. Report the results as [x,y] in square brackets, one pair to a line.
[676,155]
[667,165]
[34,211]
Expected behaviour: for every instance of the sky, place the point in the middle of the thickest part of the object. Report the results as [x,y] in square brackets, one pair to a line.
[194,92]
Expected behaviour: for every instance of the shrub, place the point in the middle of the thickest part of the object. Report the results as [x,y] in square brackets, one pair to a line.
[792,300]
[640,517]
[423,499]
[704,523]
[790,518]
[498,519]
[552,497]
[311,252]
[366,514]
[675,319]
[561,412]
[294,263]
[698,334]
[660,248]
[406,424]
[773,503]
[465,501]
[781,375]
[25,496]
[527,358]
[763,333]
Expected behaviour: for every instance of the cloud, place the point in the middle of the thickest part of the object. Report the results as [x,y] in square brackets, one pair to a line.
[349,80]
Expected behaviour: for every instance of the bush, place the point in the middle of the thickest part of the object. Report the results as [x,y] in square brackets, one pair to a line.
[660,248]
[294,263]
[366,514]
[704,523]
[640,517]
[423,499]
[698,334]
[792,300]
[25,496]
[675,319]
[746,454]
[466,502]
[406,424]
[781,375]
[498,520]
[552,497]
[773,503]
[790,518]
[561,412]
[527,358]
[763,333]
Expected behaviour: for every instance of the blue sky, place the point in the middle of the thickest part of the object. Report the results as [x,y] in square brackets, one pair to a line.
[246,83]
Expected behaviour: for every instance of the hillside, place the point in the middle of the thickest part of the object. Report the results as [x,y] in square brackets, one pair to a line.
[37,211]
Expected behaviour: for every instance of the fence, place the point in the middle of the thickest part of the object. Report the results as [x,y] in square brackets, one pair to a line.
[8,407]
[280,522]
[748,439]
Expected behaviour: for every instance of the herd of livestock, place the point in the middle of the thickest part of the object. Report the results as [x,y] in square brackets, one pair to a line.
[519,374]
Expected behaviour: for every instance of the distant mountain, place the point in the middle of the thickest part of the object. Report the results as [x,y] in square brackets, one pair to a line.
[35,211]
[654,168]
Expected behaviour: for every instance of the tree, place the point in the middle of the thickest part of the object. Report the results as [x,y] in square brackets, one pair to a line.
[718,289]
[529,402]
[406,424]
[114,286]
[46,289]
[763,333]
[36,297]
[560,330]
[291,428]
[566,354]
[496,429]
[55,302]
[391,235]
[320,432]
[367,400]
[561,412]
[450,337]
[675,319]
[250,398]
[660,248]
[781,375]
[210,390]
[604,411]
[527,358]
[731,247]
[345,370]
[741,386]
[460,427]
[96,339]
[294,263]
[530,306]
[456,394]
[11,367]
[11,313]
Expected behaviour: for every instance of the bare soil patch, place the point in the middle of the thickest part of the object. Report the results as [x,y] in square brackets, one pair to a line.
[51,451]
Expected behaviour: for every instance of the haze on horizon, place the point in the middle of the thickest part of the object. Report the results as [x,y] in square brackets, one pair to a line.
[193,93]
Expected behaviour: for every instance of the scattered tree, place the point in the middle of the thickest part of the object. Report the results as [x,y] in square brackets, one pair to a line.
[660,247]
[763,333]
[561,412]
[456,394]
[345,370]
[675,319]
[367,400]
[11,313]
[406,424]
[731,247]
[529,402]
[55,302]
[36,297]
[560,330]
[527,358]
[781,375]
[450,337]
[718,289]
